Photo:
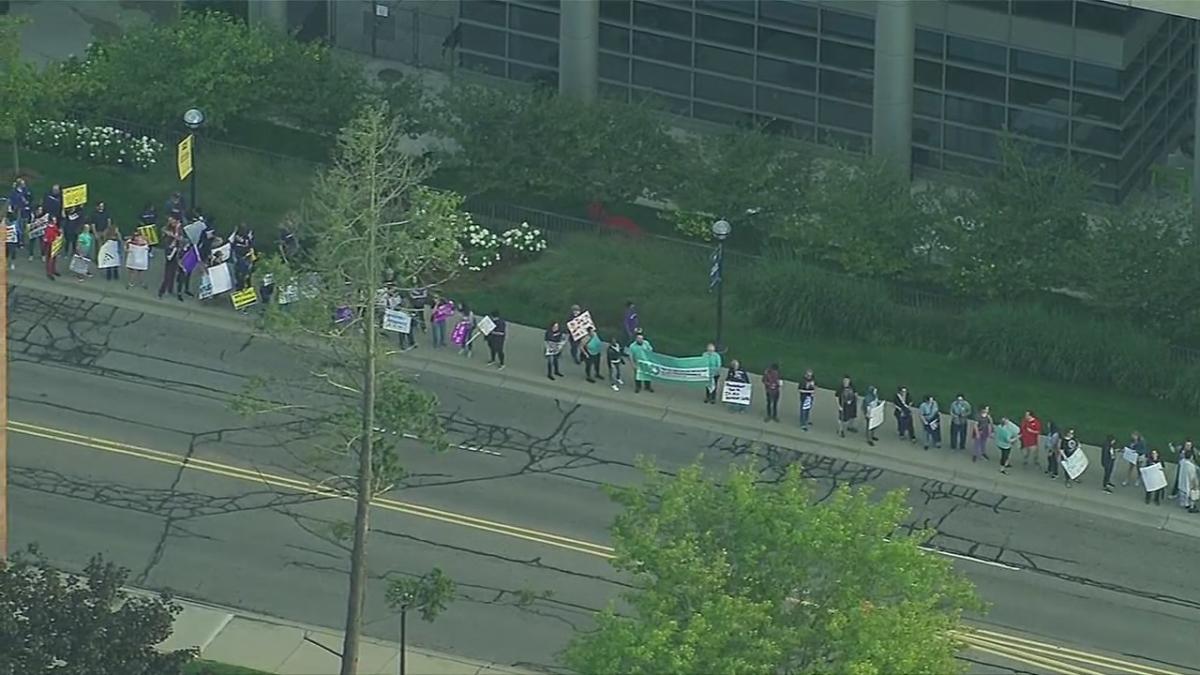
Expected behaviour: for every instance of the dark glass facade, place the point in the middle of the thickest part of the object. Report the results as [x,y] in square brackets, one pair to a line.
[805,69]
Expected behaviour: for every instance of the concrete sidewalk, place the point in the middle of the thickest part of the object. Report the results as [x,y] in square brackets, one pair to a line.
[276,646]
[683,405]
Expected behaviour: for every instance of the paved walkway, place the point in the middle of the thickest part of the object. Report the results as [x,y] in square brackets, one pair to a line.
[683,405]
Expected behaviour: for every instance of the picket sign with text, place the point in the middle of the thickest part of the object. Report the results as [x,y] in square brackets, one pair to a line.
[74,195]
[216,280]
[397,321]
[580,325]
[737,393]
[57,246]
[1153,477]
[138,257]
[80,265]
[10,233]
[1130,455]
[150,233]
[875,416]
[110,254]
[222,253]
[1076,464]
[244,298]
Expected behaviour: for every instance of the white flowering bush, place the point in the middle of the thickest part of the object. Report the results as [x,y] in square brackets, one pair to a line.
[100,145]
[480,247]
[526,242]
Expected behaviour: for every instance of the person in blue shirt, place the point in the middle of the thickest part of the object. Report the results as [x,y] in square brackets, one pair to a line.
[592,346]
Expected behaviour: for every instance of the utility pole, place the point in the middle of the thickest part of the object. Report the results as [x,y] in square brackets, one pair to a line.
[4,404]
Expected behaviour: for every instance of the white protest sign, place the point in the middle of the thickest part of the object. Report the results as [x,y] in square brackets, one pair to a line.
[139,257]
[580,325]
[222,253]
[80,264]
[10,233]
[216,280]
[737,393]
[396,321]
[110,254]
[1153,477]
[1130,455]
[875,415]
[289,294]
[486,325]
[194,231]
[1075,464]
[553,348]
[38,227]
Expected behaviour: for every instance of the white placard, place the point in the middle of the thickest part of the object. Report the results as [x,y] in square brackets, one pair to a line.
[222,253]
[215,281]
[194,231]
[397,321]
[553,348]
[139,257]
[110,254]
[1075,464]
[1130,455]
[486,325]
[1153,477]
[38,227]
[80,265]
[289,294]
[580,325]
[737,393]
[10,233]
[875,415]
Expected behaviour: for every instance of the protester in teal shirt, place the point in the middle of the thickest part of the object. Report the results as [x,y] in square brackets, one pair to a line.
[639,351]
[1006,434]
[592,347]
[713,358]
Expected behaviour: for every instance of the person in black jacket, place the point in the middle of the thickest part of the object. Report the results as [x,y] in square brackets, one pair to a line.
[904,416]
[495,341]
[1108,459]
[554,344]
[847,401]
[616,359]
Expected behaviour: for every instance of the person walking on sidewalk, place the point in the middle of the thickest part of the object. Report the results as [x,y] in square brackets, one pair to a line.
[931,421]
[1031,433]
[847,402]
[960,417]
[616,359]
[871,401]
[592,346]
[461,335]
[981,433]
[576,310]
[632,323]
[49,238]
[737,373]
[495,341]
[442,309]
[1108,460]
[903,404]
[1153,459]
[713,361]
[554,344]
[1067,446]
[1138,445]
[639,352]
[772,384]
[808,395]
[1007,434]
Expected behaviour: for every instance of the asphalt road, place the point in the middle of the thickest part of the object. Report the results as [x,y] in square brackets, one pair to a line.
[97,391]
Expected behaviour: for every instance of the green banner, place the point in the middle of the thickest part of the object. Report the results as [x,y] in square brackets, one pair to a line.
[688,369]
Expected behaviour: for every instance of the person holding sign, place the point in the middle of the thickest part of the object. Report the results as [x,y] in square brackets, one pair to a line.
[495,337]
[1067,446]
[1134,455]
[1153,477]
[111,233]
[872,410]
[12,237]
[639,351]
[737,375]
[931,421]
[808,393]
[137,259]
[554,345]
[1187,483]
[847,406]
[772,382]
[576,310]
[51,246]
[35,231]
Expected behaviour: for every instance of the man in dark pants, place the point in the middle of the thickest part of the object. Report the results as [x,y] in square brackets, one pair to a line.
[495,340]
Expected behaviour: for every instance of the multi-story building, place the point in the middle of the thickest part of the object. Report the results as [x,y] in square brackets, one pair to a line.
[933,83]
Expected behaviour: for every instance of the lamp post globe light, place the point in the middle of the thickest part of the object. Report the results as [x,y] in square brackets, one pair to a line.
[193,119]
[716,276]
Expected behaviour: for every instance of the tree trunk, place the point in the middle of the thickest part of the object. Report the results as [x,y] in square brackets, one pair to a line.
[362,502]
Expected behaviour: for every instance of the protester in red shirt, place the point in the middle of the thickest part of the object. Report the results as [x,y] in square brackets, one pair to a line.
[772,380]
[50,236]
[1031,433]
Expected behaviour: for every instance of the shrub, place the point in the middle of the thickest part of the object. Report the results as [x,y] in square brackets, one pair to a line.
[524,241]
[480,247]
[99,145]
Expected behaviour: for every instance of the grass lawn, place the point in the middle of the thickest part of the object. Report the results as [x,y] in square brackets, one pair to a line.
[669,284]
[231,185]
[201,667]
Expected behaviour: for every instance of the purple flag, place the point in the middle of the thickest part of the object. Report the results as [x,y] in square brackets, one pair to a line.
[190,260]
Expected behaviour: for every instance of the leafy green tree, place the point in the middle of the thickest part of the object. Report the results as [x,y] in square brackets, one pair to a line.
[744,577]
[66,624]
[370,217]
[19,83]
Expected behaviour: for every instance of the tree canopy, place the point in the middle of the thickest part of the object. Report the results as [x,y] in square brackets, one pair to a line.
[739,577]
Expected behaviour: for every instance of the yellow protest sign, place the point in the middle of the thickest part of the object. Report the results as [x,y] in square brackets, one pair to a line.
[57,246]
[184,160]
[150,233]
[76,195]
[244,298]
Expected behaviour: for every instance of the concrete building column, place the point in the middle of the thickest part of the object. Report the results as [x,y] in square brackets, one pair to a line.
[269,13]
[578,48]
[891,128]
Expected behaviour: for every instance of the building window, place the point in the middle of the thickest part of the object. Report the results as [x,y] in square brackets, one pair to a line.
[721,115]
[538,76]
[786,103]
[788,12]
[787,74]
[659,101]
[976,52]
[845,116]
[927,132]
[926,157]
[930,43]
[1055,11]
[734,7]
[1104,17]
[1097,138]
[850,87]
[484,11]
[726,32]
[532,50]
[480,39]
[662,48]
[847,25]
[532,21]
[927,74]
[724,90]
[724,61]
[1033,95]
[481,64]
[1098,77]
[847,56]
[977,113]
[1099,108]
[663,19]
[970,141]
[789,45]
[614,38]
[614,67]
[1040,65]
[662,78]
[927,103]
[1038,125]
[613,10]
[975,83]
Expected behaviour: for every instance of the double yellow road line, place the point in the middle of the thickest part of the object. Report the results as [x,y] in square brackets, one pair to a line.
[1043,656]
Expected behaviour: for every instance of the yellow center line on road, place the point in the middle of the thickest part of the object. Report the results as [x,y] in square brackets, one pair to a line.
[1019,649]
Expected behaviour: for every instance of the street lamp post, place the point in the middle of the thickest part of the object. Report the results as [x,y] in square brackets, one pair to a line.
[402,666]
[716,274]
[194,119]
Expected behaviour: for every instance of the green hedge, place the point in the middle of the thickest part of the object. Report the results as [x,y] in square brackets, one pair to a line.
[1033,338]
